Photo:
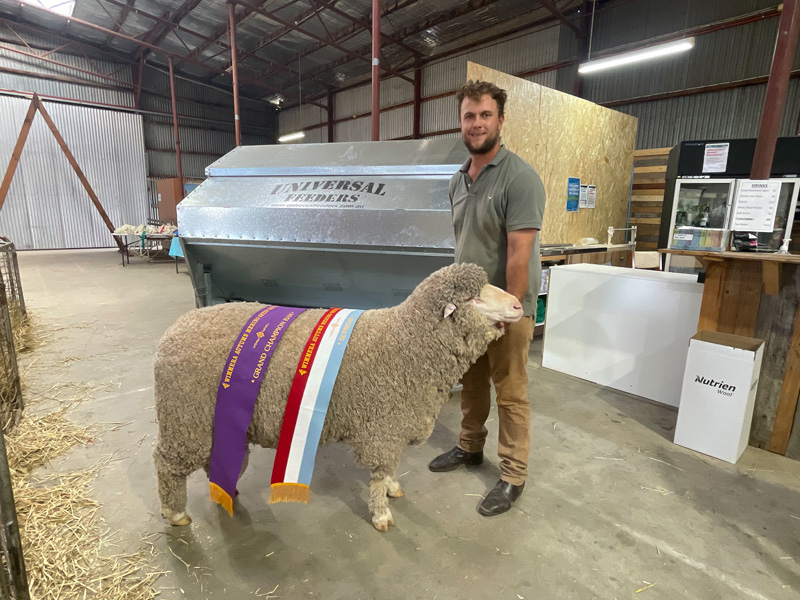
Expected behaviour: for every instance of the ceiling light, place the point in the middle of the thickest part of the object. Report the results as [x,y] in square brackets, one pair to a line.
[289,137]
[637,56]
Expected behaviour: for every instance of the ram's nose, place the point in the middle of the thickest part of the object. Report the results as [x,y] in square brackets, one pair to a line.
[514,313]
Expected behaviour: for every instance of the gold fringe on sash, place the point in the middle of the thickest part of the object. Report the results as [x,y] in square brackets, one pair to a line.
[221,497]
[289,492]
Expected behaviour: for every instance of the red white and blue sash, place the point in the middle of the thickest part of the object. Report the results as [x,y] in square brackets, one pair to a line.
[307,406]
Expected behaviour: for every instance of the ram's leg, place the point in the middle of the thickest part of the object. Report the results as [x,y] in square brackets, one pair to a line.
[171,490]
[393,489]
[245,461]
[380,480]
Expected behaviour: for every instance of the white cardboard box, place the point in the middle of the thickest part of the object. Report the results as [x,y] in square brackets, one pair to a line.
[718,394]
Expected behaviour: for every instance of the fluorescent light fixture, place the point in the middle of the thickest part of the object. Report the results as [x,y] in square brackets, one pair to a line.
[637,55]
[62,7]
[289,137]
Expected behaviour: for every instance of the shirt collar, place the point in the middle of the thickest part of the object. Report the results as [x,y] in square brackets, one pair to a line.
[498,158]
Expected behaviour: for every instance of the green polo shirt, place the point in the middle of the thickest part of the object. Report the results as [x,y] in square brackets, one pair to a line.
[507,195]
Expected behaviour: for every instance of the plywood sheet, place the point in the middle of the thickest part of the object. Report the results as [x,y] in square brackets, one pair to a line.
[562,136]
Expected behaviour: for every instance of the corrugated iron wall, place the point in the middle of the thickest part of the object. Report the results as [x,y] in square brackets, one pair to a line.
[518,54]
[205,113]
[627,21]
[47,207]
[109,92]
[725,114]
[205,125]
[727,55]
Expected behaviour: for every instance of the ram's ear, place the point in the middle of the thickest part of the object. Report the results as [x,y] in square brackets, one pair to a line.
[448,310]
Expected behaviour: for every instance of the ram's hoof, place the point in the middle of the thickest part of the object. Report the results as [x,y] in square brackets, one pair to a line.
[397,494]
[180,522]
[176,519]
[382,524]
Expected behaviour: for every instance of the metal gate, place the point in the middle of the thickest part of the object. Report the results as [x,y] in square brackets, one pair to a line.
[13,581]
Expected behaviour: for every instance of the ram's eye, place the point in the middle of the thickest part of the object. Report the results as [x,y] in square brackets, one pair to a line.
[476,301]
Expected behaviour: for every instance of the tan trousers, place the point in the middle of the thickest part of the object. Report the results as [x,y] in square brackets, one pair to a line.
[504,364]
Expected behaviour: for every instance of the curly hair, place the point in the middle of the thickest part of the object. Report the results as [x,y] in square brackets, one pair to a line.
[475,90]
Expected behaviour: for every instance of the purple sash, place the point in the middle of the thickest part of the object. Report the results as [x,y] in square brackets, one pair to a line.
[236,396]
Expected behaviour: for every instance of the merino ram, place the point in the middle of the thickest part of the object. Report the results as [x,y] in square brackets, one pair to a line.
[395,375]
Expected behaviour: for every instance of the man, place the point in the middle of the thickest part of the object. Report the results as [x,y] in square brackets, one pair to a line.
[497,202]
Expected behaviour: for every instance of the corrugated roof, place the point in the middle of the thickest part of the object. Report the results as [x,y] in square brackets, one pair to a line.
[326,44]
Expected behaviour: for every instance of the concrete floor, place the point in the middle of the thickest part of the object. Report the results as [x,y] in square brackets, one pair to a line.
[611,506]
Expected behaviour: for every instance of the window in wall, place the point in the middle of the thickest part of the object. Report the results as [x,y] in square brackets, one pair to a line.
[64,7]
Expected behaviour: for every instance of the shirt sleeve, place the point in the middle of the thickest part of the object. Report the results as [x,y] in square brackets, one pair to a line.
[525,199]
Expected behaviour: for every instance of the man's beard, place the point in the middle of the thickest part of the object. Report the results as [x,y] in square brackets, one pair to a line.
[488,144]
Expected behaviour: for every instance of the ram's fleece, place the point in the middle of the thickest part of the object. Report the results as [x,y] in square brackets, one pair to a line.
[395,375]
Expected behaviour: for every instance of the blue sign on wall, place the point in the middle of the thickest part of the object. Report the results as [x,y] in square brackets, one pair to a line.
[573,193]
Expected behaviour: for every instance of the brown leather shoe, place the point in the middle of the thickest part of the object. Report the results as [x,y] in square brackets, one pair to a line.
[455,458]
[500,499]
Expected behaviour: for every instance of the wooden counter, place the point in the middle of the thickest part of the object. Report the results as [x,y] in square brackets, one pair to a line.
[733,303]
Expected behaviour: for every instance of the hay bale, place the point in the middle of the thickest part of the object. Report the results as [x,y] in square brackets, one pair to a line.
[62,540]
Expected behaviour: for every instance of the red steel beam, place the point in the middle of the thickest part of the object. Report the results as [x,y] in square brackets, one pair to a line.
[417,119]
[137,92]
[330,116]
[314,36]
[235,73]
[376,70]
[16,154]
[777,88]
[583,46]
[175,125]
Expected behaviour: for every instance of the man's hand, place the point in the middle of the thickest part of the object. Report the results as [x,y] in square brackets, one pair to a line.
[520,244]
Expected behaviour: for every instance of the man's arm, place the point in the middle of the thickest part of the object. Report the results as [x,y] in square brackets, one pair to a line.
[520,243]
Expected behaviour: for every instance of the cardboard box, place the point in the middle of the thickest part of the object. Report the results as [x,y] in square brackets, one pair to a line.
[718,394]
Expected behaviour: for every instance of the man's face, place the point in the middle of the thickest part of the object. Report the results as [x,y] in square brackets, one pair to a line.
[480,124]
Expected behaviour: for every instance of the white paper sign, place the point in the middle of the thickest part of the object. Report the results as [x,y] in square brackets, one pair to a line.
[716,158]
[582,202]
[756,205]
[591,196]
